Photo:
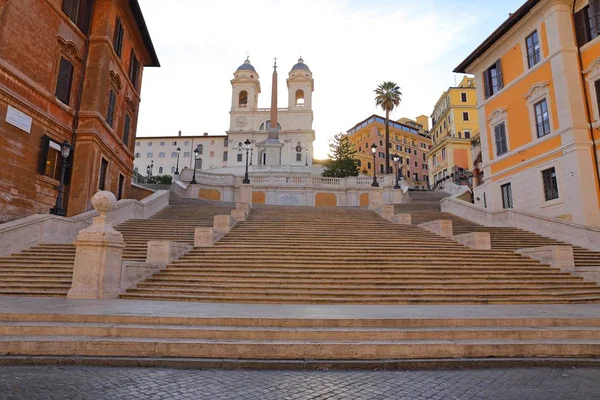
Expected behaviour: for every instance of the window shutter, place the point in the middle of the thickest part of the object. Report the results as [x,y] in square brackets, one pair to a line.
[580,27]
[126,129]
[85,12]
[65,78]
[70,8]
[499,76]
[43,154]
[486,85]
[594,11]
[118,37]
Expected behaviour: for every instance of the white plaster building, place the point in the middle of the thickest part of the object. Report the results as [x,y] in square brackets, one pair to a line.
[162,152]
[294,125]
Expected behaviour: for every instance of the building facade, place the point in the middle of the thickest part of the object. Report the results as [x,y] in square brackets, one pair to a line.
[71,74]
[411,143]
[538,80]
[160,153]
[294,123]
[454,122]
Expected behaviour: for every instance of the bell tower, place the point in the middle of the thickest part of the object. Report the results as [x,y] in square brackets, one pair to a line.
[300,87]
[244,96]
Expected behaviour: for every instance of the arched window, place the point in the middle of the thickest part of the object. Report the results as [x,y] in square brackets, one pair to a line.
[172,170]
[265,126]
[243,99]
[299,98]
[160,170]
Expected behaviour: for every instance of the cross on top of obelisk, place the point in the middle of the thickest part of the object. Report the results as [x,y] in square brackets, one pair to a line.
[275,65]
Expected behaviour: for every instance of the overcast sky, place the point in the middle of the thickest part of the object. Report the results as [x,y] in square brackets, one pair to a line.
[351,46]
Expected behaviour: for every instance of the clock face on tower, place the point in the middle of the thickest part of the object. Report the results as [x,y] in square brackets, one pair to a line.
[240,123]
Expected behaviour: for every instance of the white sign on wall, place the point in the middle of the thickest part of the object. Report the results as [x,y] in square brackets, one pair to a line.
[19,119]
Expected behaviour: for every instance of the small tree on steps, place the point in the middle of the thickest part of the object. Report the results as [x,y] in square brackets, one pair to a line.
[342,163]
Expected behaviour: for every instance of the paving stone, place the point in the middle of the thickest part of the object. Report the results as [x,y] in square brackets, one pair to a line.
[82,382]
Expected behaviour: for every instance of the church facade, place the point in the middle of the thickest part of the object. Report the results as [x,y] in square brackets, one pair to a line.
[286,142]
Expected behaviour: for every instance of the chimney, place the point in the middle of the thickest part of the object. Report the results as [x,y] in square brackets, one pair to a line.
[205,133]
[180,133]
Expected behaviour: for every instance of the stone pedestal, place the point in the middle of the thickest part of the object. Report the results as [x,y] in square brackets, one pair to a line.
[442,227]
[239,215]
[475,240]
[402,219]
[98,257]
[555,256]
[223,223]
[387,212]
[245,196]
[205,237]
[164,252]
[376,199]
[399,197]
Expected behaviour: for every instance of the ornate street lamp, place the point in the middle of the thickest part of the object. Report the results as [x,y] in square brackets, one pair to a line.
[374,151]
[177,168]
[59,209]
[251,155]
[247,147]
[396,158]
[196,154]
[151,167]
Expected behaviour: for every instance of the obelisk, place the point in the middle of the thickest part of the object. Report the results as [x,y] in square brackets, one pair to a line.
[273,145]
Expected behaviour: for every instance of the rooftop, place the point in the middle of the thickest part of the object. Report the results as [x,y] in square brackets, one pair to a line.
[141,23]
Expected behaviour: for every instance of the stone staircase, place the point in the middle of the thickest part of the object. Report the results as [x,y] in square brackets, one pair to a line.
[46,270]
[351,256]
[425,207]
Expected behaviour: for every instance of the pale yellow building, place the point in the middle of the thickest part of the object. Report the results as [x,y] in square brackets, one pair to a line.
[454,122]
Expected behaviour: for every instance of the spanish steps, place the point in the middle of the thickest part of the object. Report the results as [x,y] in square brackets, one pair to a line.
[47,269]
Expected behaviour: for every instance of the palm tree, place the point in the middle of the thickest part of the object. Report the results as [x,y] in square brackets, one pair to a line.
[388,97]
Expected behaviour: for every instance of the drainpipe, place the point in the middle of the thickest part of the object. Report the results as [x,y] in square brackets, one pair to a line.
[587,104]
[86,53]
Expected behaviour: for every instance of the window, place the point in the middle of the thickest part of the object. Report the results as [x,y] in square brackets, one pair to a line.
[103,171]
[172,170]
[186,143]
[507,201]
[500,139]
[161,144]
[550,184]
[424,157]
[118,38]
[407,161]
[239,158]
[173,154]
[465,116]
[542,120]
[121,187]
[492,79]
[161,155]
[200,149]
[381,142]
[134,69]
[79,12]
[160,170]
[369,165]
[126,129]
[298,157]
[416,164]
[359,163]
[64,81]
[467,134]
[381,168]
[587,22]
[50,158]
[149,155]
[138,155]
[110,113]
[174,143]
[243,99]
[226,142]
[443,154]
[198,163]
[187,154]
[416,177]
[225,155]
[381,155]
[149,144]
[137,143]
[424,166]
[463,97]
[533,49]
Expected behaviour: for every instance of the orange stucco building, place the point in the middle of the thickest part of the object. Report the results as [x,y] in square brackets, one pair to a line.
[70,70]
[538,81]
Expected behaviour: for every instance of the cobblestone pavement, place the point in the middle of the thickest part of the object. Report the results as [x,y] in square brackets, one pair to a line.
[67,382]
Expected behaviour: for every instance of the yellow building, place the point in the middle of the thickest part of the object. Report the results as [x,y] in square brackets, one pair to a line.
[538,80]
[410,142]
[454,121]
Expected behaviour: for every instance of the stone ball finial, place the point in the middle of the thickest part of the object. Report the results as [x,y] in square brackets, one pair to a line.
[104,201]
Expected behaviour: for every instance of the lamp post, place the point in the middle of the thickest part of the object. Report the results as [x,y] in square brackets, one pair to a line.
[147,173]
[65,150]
[196,154]
[374,151]
[396,160]
[151,166]
[177,168]
[247,146]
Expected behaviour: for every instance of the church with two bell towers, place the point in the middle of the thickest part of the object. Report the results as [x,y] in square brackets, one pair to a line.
[278,136]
